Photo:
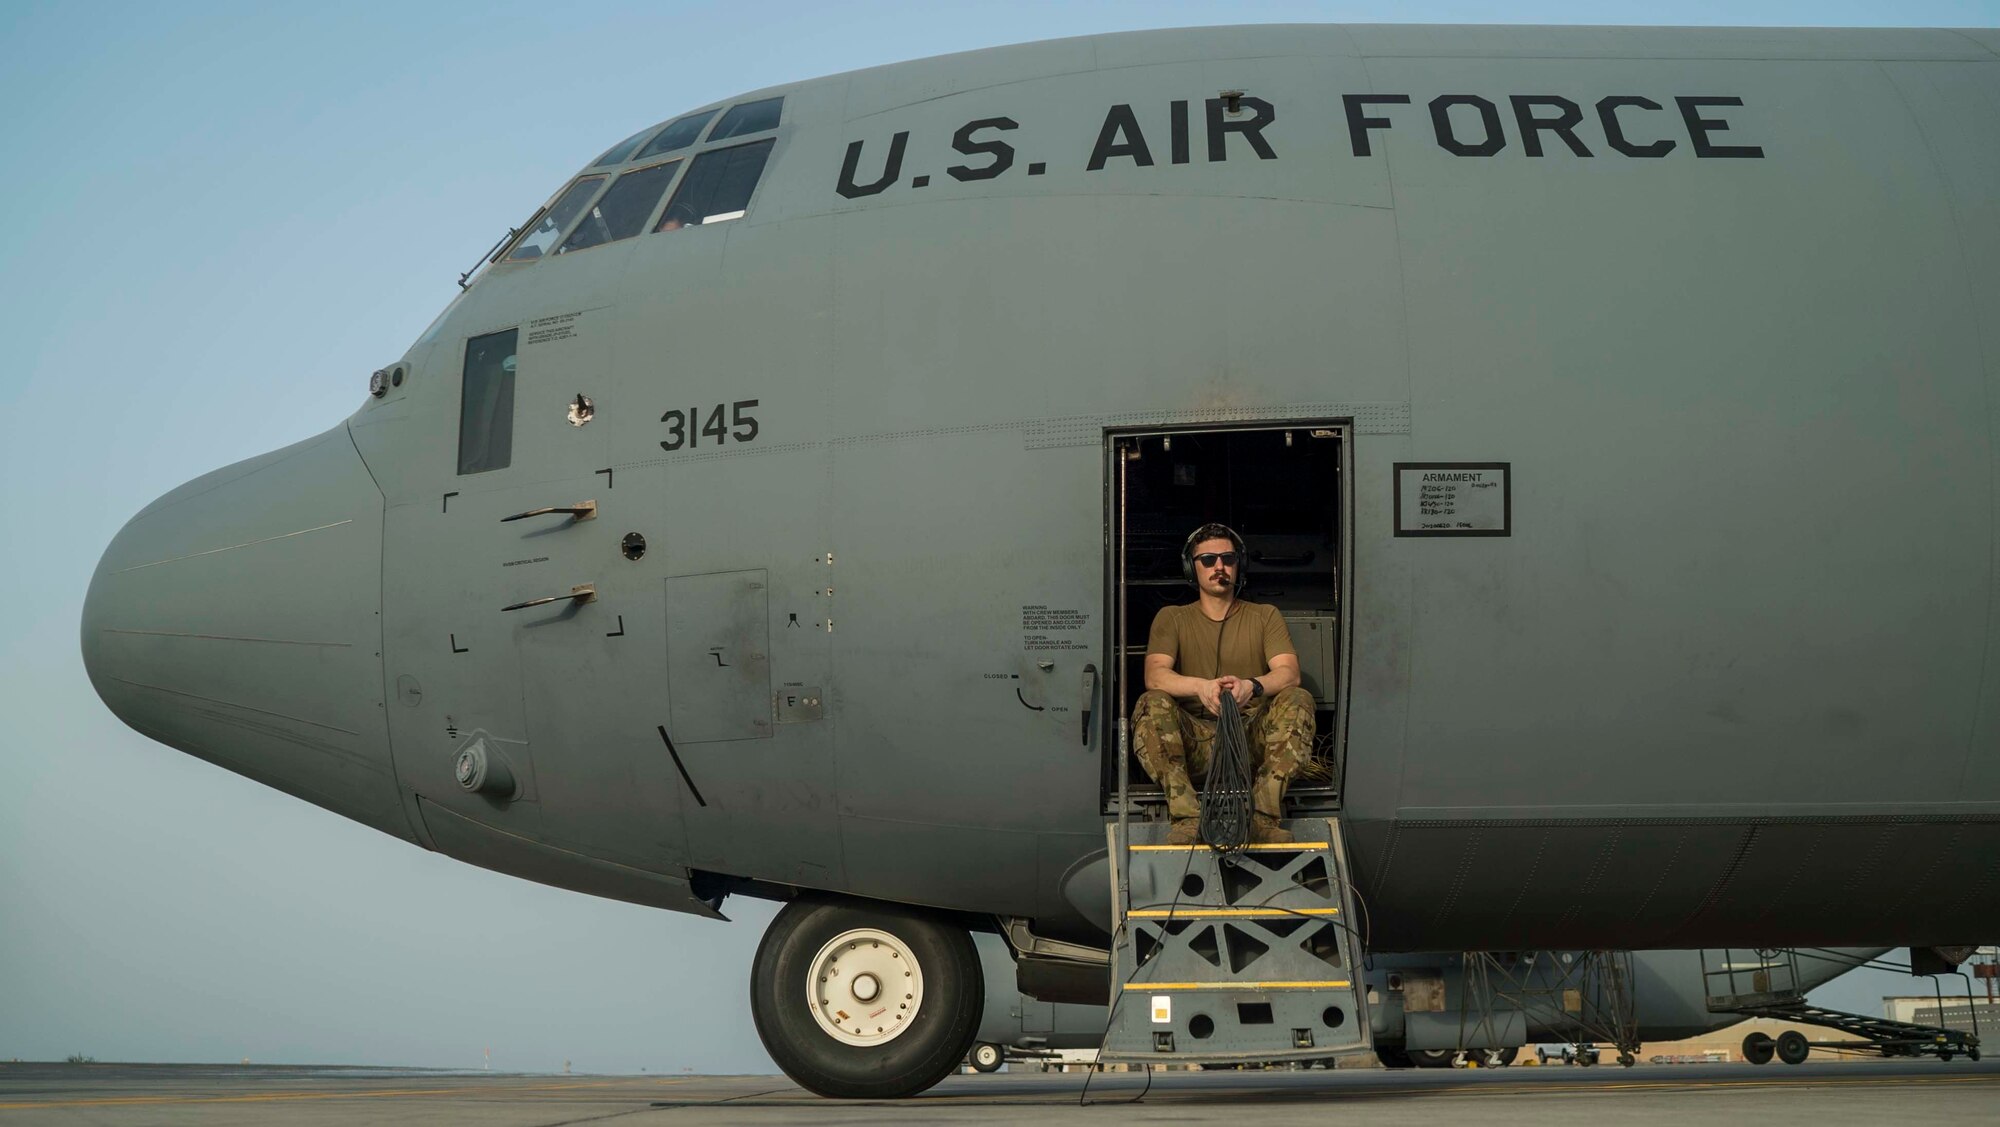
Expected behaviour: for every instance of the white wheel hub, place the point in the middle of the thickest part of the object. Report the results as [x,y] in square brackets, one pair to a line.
[864,987]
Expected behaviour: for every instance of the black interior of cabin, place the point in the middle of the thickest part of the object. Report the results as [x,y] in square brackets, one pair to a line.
[1280,489]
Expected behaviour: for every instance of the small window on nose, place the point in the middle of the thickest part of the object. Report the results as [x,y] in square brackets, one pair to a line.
[486,403]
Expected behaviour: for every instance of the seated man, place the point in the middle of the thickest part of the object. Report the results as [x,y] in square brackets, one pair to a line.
[1197,652]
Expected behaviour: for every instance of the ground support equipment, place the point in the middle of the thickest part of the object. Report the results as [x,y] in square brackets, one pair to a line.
[1237,957]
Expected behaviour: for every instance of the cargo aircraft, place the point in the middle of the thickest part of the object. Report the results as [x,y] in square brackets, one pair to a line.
[780,510]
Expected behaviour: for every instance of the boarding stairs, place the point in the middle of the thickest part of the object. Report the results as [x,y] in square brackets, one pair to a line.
[1234,957]
[1765,984]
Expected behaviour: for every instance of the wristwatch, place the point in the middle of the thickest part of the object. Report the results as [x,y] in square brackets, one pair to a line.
[1256,688]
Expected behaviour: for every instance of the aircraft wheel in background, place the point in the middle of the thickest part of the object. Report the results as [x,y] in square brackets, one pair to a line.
[860,1000]
[1392,1057]
[1757,1048]
[1500,1058]
[1792,1047]
[987,1057]
[1432,1058]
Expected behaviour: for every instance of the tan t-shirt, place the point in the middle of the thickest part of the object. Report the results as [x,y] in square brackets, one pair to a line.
[1241,645]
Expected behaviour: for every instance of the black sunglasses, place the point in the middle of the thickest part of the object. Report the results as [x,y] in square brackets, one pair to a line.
[1207,559]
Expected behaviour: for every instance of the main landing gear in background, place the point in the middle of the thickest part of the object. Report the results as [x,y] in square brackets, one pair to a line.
[860,1000]
[1396,1057]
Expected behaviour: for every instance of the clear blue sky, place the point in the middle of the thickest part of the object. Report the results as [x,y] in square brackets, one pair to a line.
[220,218]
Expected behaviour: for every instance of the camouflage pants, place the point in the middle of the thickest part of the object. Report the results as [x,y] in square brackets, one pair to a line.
[1176,746]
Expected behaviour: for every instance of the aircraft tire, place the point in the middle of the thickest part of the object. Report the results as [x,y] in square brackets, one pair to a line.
[808,940]
[1432,1058]
[1792,1047]
[1757,1048]
[1393,1057]
[1501,1058]
[988,1057]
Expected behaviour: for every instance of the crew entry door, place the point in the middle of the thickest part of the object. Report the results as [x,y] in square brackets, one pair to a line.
[1282,487]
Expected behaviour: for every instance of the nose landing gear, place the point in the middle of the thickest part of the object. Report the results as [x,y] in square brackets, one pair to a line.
[860,1000]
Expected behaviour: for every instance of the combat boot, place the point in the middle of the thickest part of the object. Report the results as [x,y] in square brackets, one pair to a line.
[1265,830]
[1184,831]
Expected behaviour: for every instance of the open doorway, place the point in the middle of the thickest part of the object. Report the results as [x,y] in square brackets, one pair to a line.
[1283,487]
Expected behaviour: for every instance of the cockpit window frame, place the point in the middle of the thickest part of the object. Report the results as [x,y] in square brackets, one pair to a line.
[638,159]
[770,139]
[626,149]
[708,117]
[679,164]
[712,135]
[604,181]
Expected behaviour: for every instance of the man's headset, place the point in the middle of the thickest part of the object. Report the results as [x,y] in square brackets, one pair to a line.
[1211,532]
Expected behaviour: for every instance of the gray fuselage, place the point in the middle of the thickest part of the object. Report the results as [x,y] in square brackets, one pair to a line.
[1735,329]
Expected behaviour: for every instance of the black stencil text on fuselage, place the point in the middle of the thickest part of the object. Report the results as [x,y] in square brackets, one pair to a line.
[1465,125]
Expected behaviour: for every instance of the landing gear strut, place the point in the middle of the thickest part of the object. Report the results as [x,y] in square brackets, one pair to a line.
[859,1000]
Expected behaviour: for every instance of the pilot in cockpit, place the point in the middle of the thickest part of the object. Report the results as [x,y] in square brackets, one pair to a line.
[1197,652]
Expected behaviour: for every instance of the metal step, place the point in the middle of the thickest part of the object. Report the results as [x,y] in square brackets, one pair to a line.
[1238,957]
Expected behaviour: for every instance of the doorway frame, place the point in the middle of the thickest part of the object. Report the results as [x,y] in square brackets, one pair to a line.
[1115,716]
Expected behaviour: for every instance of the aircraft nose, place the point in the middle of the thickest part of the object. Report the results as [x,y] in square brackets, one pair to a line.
[238,619]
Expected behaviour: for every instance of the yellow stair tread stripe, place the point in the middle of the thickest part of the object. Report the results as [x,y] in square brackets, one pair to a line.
[1191,913]
[1331,984]
[1290,846]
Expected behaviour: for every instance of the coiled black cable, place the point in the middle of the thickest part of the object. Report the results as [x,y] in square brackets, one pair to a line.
[1225,797]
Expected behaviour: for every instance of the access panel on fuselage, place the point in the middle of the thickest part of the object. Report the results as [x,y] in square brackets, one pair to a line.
[718,656]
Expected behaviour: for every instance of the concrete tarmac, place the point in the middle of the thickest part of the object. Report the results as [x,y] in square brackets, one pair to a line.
[1862,1094]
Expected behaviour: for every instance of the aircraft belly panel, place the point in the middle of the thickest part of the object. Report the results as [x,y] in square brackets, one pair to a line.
[1664,883]
[949,866]
[479,844]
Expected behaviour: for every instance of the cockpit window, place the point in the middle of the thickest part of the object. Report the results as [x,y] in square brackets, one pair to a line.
[623,149]
[486,405]
[677,136]
[537,242]
[621,212]
[750,117]
[717,186]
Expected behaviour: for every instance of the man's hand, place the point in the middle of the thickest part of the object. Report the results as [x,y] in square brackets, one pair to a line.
[1211,695]
[1242,688]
